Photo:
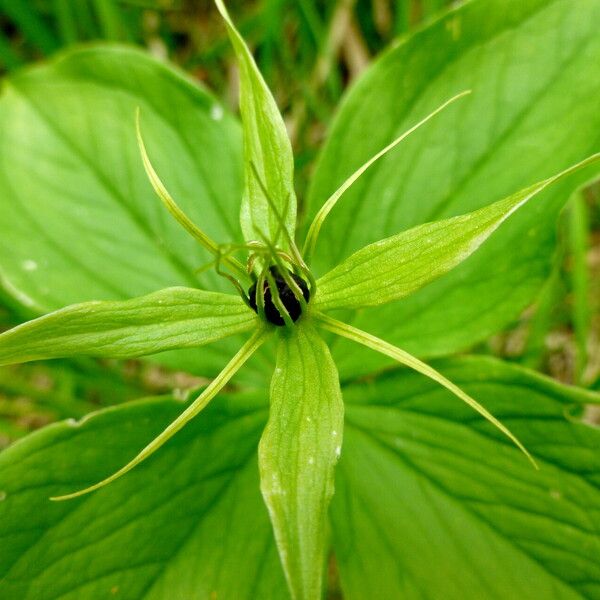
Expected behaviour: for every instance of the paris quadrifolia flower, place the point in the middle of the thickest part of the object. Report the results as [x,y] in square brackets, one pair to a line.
[276,296]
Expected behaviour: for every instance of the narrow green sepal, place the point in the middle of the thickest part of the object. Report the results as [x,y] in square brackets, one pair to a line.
[215,386]
[404,358]
[165,320]
[176,212]
[267,149]
[329,204]
[399,265]
[297,454]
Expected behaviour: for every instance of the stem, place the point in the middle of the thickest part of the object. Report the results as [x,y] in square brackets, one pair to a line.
[315,226]
[245,352]
[578,232]
[403,357]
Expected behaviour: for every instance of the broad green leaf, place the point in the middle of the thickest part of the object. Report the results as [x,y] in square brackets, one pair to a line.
[432,502]
[171,318]
[297,454]
[79,220]
[399,265]
[534,71]
[267,151]
[189,523]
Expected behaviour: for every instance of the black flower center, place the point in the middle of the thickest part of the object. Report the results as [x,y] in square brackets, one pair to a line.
[287,296]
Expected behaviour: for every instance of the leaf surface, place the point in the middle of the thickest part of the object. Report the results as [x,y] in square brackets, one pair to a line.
[534,71]
[297,454]
[168,319]
[399,265]
[189,523]
[432,502]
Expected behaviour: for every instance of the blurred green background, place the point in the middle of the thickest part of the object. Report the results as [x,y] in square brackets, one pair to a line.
[310,51]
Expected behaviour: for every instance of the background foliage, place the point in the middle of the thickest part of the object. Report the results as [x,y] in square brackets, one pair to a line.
[310,52]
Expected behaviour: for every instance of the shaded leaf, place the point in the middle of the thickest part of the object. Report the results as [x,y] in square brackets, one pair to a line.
[432,501]
[189,523]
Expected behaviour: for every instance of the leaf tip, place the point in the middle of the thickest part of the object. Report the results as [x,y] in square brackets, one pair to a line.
[222,9]
[533,462]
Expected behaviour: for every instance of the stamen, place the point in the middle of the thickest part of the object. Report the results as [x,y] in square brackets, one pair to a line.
[293,285]
[276,299]
[279,217]
[260,294]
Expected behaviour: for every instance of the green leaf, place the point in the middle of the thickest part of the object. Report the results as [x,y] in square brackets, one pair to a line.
[432,502]
[189,523]
[171,318]
[399,265]
[79,220]
[84,224]
[523,122]
[297,454]
[267,151]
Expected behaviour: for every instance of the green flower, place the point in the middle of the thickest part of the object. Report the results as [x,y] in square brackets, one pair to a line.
[279,298]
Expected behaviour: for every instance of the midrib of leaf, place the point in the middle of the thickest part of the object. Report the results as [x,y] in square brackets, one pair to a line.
[113,191]
[340,249]
[460,504]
